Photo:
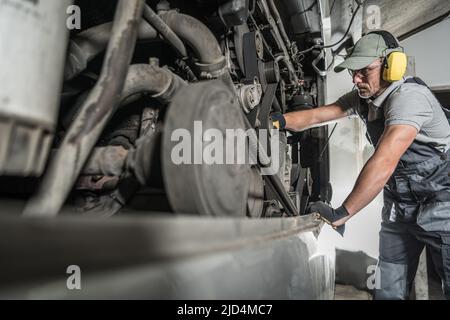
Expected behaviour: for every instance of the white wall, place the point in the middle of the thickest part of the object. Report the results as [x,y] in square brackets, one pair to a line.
[431,49]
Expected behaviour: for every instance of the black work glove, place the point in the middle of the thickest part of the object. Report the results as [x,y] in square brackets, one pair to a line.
[278,120]
[330,215]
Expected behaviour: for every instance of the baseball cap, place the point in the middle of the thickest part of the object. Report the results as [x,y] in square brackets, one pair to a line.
[367,50]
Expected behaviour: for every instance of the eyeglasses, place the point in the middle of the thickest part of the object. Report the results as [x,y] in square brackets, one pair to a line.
[363,73]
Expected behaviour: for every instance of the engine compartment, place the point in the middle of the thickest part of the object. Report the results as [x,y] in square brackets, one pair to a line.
[129,83]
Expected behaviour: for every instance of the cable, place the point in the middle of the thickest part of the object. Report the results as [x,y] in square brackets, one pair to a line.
[332,63]
[345,35]
[332,6]
[348,29]
[328,141]
[317,46]
[309,8]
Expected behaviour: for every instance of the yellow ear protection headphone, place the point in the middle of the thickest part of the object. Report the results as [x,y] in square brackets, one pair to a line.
[395,59]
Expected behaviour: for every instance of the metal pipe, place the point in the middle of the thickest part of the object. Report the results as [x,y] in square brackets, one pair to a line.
[151,17]
[280,42]
[171,24]
[197,35]
[93,116]
[90,43]
[162,84]
[97,183]
[279,22]
[107,161]
[200,39]
[141,80]
[144,79]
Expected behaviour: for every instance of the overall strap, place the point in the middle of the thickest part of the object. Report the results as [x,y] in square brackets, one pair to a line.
[419,81]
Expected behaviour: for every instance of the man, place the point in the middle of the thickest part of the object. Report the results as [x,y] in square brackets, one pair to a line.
[411,133]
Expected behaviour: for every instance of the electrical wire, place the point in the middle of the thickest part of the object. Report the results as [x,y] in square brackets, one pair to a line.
[317,46]
[309,8]
[348,29]
[328,141]
[332,63]
[332,6]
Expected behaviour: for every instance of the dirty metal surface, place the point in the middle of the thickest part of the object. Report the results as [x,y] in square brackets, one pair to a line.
[163,257]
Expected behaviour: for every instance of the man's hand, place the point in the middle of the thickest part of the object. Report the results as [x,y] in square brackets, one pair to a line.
[334,217]
[278,120]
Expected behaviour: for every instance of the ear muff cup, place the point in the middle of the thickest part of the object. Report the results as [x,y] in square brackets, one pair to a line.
[395,66]
[396,61]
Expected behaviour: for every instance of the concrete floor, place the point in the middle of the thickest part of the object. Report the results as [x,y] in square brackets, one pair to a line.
[343,292]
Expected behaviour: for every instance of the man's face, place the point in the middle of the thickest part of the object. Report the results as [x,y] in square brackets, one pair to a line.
[369,80]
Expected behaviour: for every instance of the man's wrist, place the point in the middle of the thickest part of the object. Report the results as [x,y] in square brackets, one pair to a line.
[279,120]
[342,212]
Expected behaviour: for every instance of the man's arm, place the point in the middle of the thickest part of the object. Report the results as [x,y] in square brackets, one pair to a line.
[395,141]
[299,120]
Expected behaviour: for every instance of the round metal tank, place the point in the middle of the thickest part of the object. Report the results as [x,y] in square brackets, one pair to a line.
[33,43]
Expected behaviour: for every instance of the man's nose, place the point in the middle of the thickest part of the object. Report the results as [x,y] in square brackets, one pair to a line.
[356,78]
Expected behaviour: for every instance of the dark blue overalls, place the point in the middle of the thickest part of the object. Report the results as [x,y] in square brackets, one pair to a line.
[416,213]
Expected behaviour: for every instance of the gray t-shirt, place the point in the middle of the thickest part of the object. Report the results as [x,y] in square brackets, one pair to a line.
[407,104]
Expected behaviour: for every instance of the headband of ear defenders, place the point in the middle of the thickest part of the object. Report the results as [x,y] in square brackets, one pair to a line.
[389,39]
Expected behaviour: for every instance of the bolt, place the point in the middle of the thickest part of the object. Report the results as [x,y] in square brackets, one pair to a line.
[154,62]
[163,6]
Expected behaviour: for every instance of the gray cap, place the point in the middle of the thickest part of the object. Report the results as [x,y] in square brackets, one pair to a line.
[367,50]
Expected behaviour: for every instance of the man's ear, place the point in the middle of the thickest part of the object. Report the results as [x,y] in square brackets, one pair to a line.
[383,83]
